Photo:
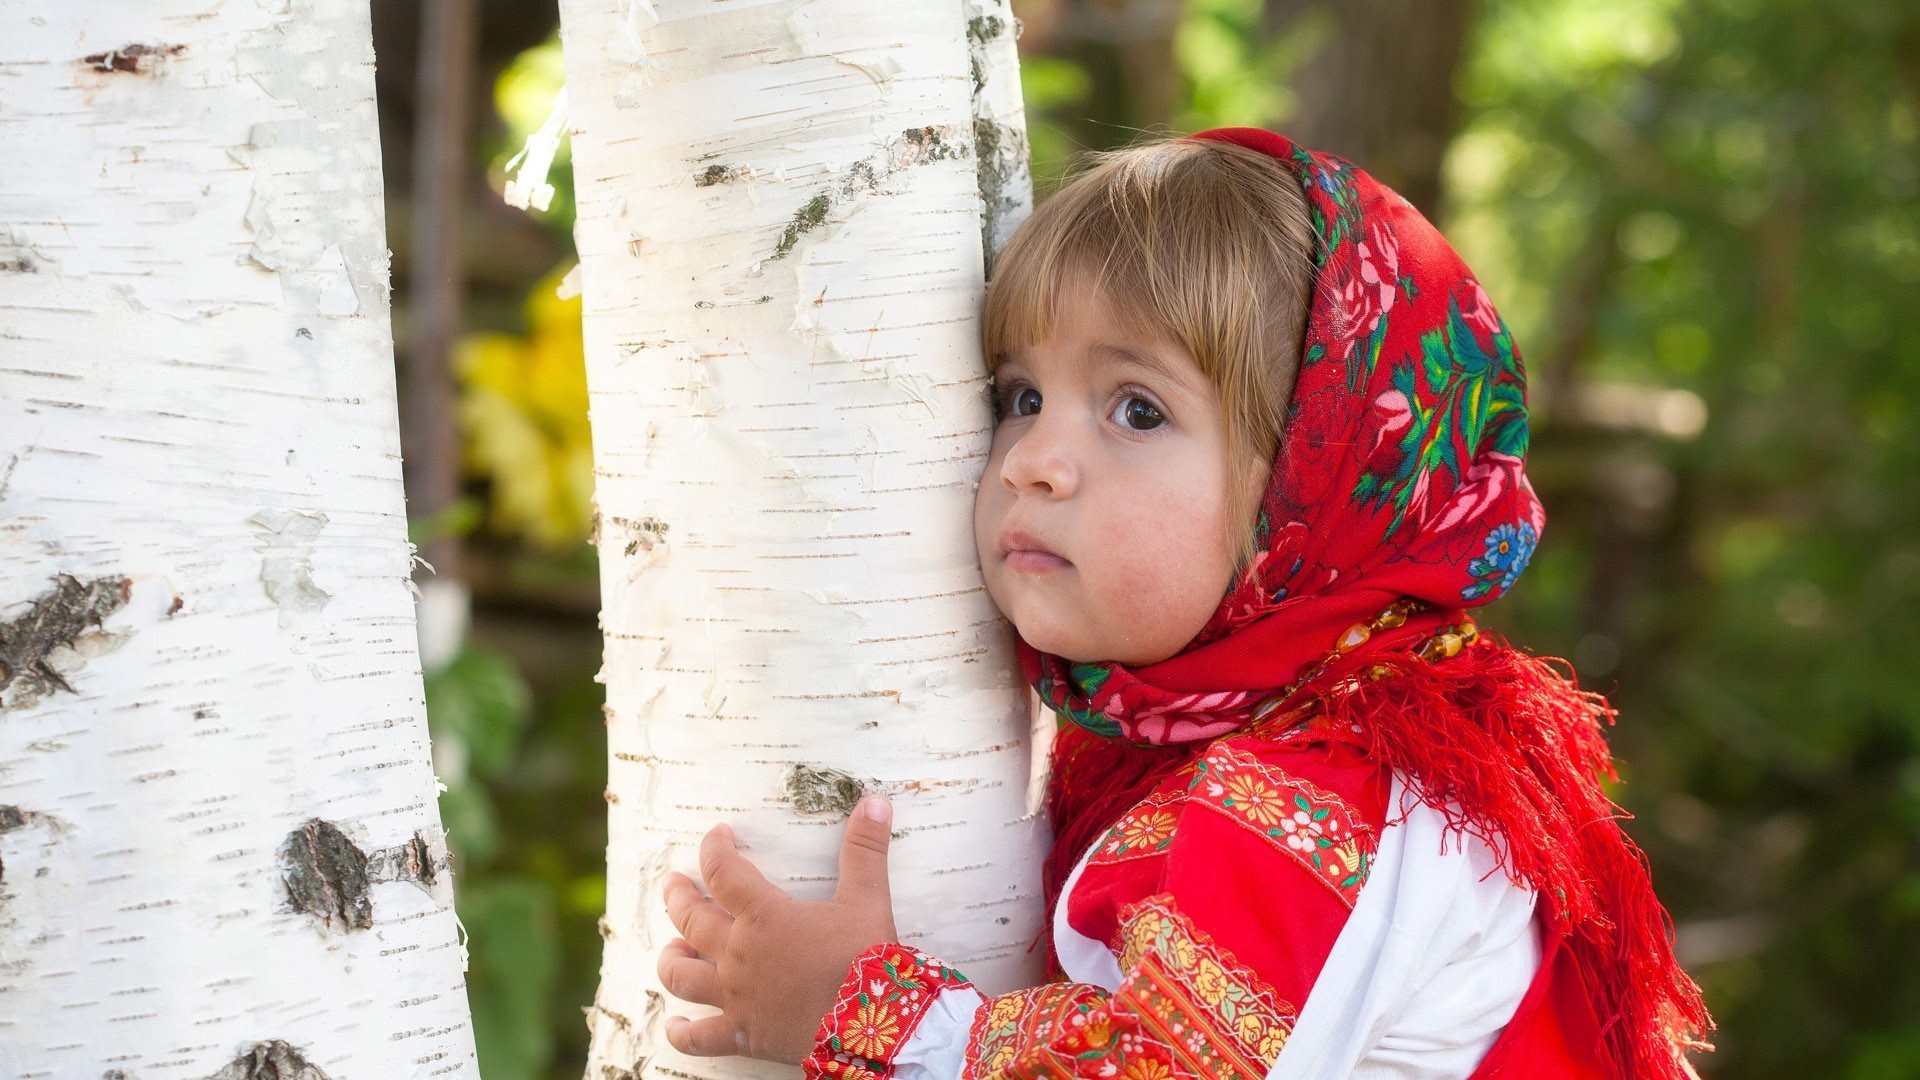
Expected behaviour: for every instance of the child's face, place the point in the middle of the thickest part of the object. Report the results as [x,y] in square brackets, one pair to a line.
[1109,516]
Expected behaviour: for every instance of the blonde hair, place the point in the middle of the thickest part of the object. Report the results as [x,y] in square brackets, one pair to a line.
[1206,243]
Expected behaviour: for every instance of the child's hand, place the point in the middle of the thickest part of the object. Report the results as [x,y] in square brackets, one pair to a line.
[772,964]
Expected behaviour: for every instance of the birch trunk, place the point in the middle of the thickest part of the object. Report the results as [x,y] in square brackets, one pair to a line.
[782,207]
[219,848]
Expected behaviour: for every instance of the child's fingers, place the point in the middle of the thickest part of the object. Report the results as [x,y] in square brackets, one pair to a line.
[698,919]
[863,853]
[713,1036]
[688,976]
[732,880]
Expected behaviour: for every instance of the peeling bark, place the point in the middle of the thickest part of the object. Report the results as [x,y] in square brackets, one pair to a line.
[329,877]
[57,620]
[326,875]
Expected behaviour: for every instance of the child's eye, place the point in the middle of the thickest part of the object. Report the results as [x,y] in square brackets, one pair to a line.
[1139,414]
[1019,400]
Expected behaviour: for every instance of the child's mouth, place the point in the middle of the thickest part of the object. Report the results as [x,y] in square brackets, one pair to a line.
[1021,551]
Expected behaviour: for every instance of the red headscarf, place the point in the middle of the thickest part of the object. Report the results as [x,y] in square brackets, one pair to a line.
[1399,475]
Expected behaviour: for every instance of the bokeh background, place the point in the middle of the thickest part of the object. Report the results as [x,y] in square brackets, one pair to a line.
[1702,221]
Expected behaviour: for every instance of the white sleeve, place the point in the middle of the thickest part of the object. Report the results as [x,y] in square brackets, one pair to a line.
[1433,962]
[937,1049]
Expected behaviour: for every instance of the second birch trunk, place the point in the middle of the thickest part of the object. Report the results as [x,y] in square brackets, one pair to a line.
[782,211]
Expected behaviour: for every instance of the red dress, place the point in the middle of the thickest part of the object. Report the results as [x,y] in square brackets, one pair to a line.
[1195,932]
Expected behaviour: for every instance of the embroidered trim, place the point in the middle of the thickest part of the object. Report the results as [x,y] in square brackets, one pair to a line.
[1039,1032]
[1187,1008]
[1304,821]
[1313,826]
[888,991]
[1217,1016]
[1146,829]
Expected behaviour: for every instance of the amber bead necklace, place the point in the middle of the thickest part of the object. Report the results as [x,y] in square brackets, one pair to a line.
[1445,642]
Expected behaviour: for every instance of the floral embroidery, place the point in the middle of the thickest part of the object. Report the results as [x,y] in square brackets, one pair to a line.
[1040,1032]
[1186,1009]
[872,1033]
[1509,549]
[1146,829]
[1260,802]
[1313,826]
[888,989]
[1218,1017]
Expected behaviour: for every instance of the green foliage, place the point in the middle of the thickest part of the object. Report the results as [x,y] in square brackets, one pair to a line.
[514,956]
[1234,76]
[511,891]
[1051,85]
[478,703]
[1717,204]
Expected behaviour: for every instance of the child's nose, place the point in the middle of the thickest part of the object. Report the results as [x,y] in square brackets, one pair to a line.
[1042,462]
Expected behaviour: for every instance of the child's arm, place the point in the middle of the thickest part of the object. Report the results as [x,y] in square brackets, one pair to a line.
[771,963]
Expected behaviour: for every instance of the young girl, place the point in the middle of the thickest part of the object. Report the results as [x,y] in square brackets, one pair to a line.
[1321,827]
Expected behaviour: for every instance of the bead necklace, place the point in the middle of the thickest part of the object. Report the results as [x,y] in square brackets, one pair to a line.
[1444,642]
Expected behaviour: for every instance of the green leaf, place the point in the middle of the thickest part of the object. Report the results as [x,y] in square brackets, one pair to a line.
[513,942]
[480,702]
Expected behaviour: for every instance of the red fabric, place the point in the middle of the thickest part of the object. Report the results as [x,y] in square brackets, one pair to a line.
[1400,473]
[1241,883]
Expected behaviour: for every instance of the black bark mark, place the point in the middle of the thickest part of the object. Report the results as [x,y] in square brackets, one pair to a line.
[819,790]
[11,818]
[720,174]
[274,1059]
[56,620]
[647,533]
[135,59]
[326,876]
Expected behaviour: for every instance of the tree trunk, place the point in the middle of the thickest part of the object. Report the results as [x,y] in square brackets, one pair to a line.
[780,230]
[219,848]
[436,286]
[1380,88]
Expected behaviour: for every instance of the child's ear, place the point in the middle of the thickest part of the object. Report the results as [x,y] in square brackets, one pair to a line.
[1258,474]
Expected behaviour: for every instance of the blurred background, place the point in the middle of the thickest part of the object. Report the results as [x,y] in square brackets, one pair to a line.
[1701,219]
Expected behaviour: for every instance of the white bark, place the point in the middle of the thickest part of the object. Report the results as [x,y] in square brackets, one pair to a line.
[197,428]
[780,238]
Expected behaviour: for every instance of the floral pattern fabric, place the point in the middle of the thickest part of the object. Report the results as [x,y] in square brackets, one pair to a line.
[886,994]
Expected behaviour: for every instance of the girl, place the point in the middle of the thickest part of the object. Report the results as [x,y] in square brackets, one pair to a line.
[1323,827]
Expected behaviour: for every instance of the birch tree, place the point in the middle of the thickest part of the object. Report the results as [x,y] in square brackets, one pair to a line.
[784,213]
[219,848]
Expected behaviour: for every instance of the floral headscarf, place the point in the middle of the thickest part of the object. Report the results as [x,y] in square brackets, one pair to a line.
[1399,477]
[1399,473]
